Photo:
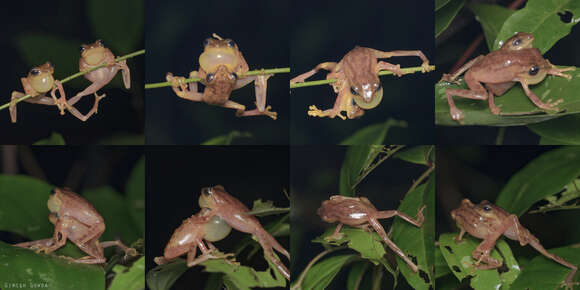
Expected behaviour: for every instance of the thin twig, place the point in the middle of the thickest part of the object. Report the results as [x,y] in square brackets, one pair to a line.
[500,135]
[250,73]
[118,59]
[421,178]
[389,153]
[407,70]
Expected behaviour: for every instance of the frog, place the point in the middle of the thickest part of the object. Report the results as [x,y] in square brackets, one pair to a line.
[77,220]
[488,222]
[221,69]
[515,61]
[234,213]
[93,55]
[37,83]
[358,85]
[360,212]
[191,235]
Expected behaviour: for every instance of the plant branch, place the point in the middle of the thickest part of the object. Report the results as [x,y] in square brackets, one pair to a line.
[298,284]
[118,59]
[406,70]
[389,152]
[421,178]
[250,73]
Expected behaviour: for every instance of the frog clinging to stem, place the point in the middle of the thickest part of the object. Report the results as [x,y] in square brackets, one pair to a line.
[221,69]
[488,222]
[360,212]
[75,219]
[358,85]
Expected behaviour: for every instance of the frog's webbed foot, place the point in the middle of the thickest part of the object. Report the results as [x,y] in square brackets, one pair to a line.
[554,70]
[425,67]
[38,246]
[257,112]
[396,69]
[484,257]
[129,252]
[331,113]
[86,260]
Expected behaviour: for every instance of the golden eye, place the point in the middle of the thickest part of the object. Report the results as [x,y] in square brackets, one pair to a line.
[534,70]
[206,42]
[353,91]
[230,43]
[209,77]
[34,71]
[100,42]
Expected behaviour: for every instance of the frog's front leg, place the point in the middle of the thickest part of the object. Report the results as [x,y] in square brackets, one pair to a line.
[549,105]
[554,70]
[126,72]
[460,235]
[396,69]
[336,235]
[340,104]
[476,92]
[381,231]
[183,90]
[329,66]
[36,245]
[418,53]
[385,214]
[41,99]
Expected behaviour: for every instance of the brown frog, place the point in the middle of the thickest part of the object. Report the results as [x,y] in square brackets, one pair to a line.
[360,212]
[191,235]
[358,80]
[233,212]
[77,220]
[221,66]
[499,70]
[488,222]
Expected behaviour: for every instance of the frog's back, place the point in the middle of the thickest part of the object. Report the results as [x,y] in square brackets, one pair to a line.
[503,65]
[358,60]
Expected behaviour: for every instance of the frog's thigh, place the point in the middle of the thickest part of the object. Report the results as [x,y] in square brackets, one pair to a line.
[240,83]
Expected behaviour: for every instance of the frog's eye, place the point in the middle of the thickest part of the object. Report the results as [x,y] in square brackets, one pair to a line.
[230,43]
[100,42]
[534,70]
[486,208]
[49,64]
[83,48]
[210,77]
[517,42]
[379,87]
[206,191]
[205,42]
[234,76]
[53,191]
[34,71]
[353,91]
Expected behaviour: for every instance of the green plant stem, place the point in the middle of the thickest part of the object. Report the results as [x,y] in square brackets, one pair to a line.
[407,70]
[118,59]
[250,73]
[298,284]
[377,278]
[389,152]
[421,178]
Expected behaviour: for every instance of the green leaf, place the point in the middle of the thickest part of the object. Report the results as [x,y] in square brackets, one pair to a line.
[323,272]
[440,3]
[441,268]
[550,141]
[23,208]
[491,18]
[516,108]
[162,277]
[54,139]
[135,190]
[244,277]
[227,139]
[264,208]
[541,19]
[356,159]
[112,207]
[368,244]
[118,23]
[543,273]
[461,263]
[414,241]
[129,278]
[40,271]
[544,176]
[355,275]
[416,154]
[444,15]
[373,134]
[559,131]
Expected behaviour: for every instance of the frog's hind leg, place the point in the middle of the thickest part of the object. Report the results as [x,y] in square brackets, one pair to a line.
[128,251]
[122,65]
[42,100]
[476,92]
[385,214]
[381,231]
[268,242]
[329,66]
[549,105]
[452,78]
